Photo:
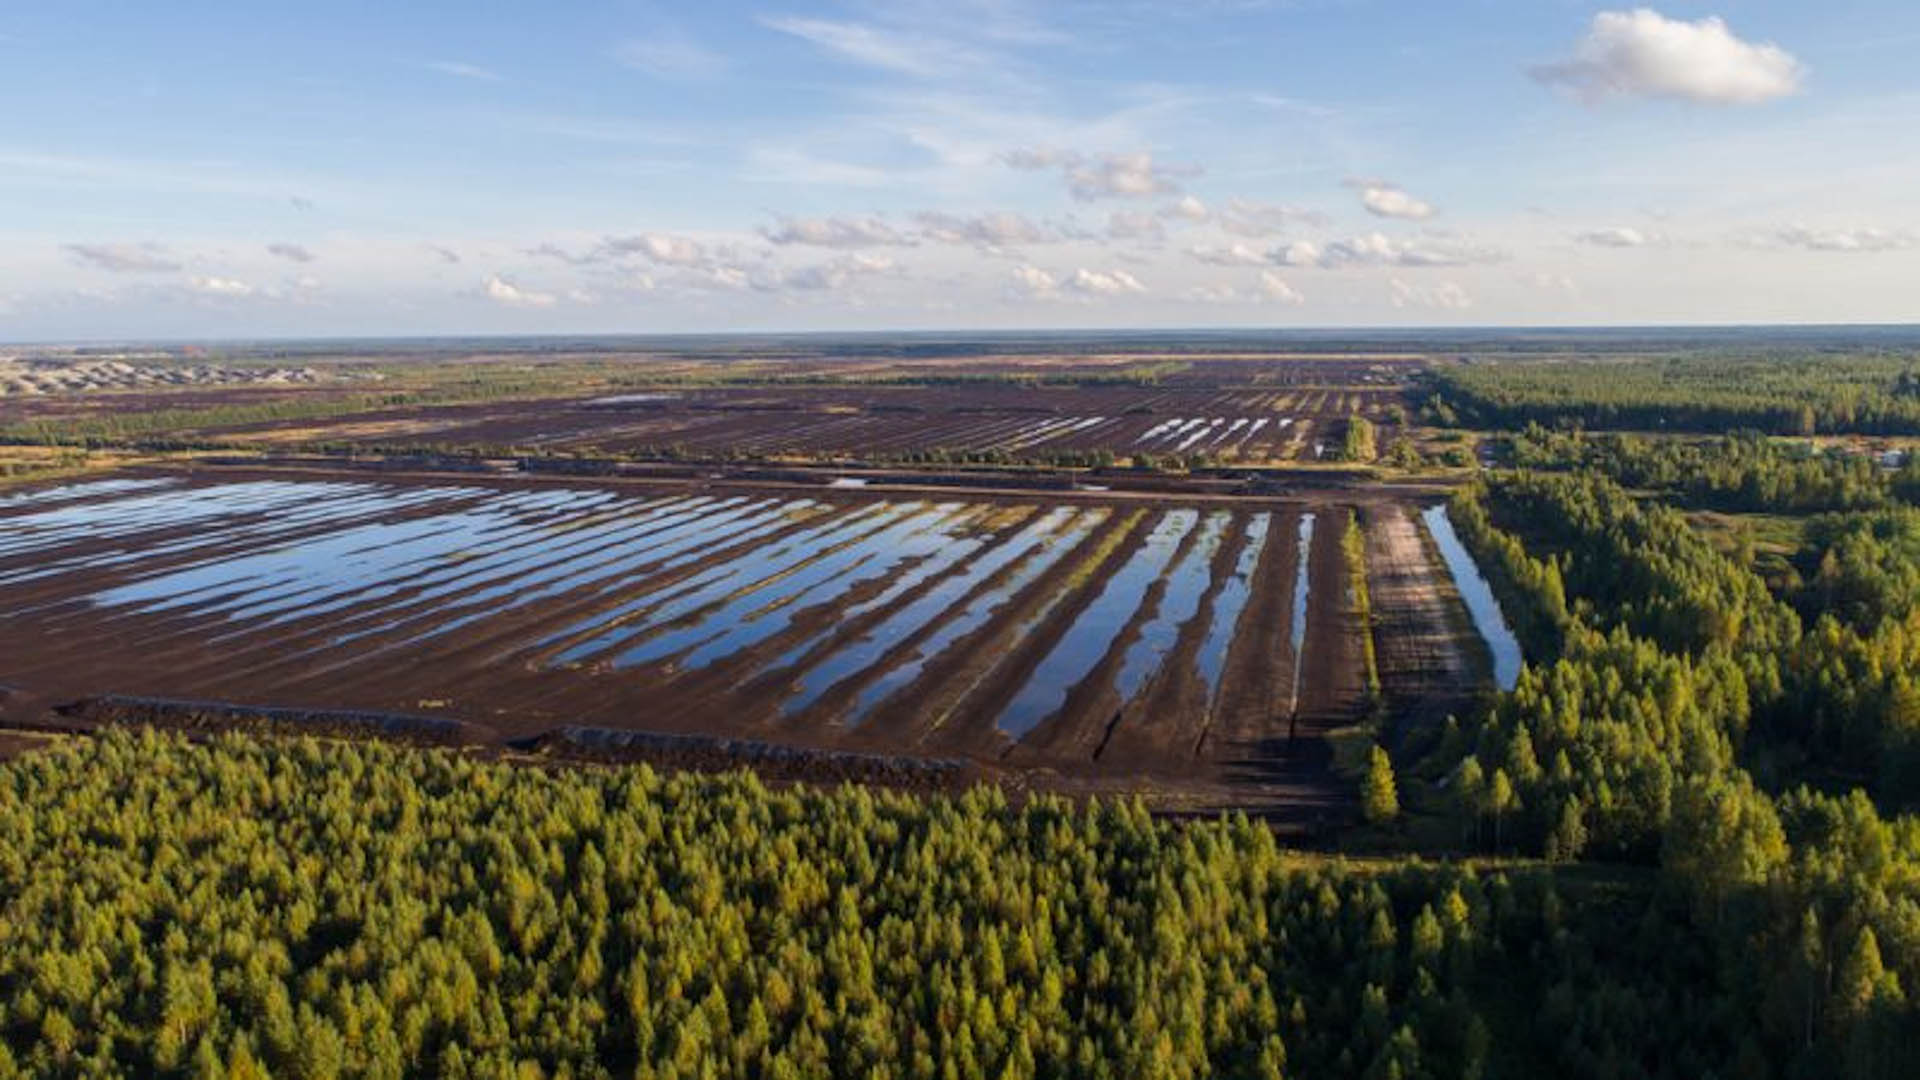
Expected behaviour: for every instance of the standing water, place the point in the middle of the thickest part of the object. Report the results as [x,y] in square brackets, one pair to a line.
[1228,604]
[1487,616]
[1300,587]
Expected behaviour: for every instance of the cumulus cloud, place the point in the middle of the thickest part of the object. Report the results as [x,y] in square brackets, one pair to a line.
[995,230]
[1034,281]
[1105,282]
[1276,288]
[1107,176]
[1618,236]
[1119,176]
[720,276]
[1383,198]
[827,277]
[555,251]
[1235,254]
[1298,253]
[1269,288]
[693,264]
[663,248]
[1445,296]
[835,232]
[290,252]
[1378,249]
[1186,208]
[1863,239]
[504,292]
[220,286]
[1641,53]
[125,258]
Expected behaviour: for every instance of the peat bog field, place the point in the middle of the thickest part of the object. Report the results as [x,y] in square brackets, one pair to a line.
[1082,642]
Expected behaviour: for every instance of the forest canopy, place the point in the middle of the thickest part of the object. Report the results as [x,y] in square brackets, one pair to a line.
[314,909]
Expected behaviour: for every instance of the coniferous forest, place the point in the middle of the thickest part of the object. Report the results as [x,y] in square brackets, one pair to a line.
[310,909]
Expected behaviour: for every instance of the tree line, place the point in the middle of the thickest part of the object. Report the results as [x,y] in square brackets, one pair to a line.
[1780,394]
[322,909]
[1675,713]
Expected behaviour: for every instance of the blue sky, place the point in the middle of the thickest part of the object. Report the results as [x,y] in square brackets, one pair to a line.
[214,169]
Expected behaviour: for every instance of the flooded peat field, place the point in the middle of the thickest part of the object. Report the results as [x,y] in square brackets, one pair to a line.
[1092,635]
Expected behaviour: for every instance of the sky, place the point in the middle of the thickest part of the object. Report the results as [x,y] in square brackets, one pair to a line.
[210,169]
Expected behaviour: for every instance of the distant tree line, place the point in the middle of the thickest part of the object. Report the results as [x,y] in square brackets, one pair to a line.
[1802,394]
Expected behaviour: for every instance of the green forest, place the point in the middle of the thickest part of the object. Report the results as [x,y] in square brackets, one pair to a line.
[1755,737]
[311,909]
[1791,394]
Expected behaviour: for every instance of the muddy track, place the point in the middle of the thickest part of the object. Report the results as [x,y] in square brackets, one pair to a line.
[1432,662]
[1166,722]
[833,709]
[963,713]
[1081,727]
[1257,679]
[1296,764]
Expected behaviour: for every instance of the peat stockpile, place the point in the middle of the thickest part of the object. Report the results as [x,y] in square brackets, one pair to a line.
[218,716]
[772,761]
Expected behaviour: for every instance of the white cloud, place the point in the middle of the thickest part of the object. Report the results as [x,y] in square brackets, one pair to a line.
[1186,208]
[1378,249]
[835,232]
[1122,176]
[1383,198]
[464,71]
[668,53]
[1641,53]
[1235,254]
[1108,176]
[501,291]
[1270,288]
[828,277]
[1035,281]
[1276,288]
[219,286]
[125,258]
[662,248]
[1298,253]
[1862,239]
[1618,236]
[720,277]
[290,252]
[995,230]
[1105,282]
[1038,284]
[1446,296]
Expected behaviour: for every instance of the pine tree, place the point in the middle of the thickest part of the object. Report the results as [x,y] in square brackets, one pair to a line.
[1379,799]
